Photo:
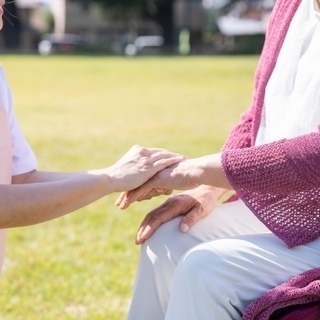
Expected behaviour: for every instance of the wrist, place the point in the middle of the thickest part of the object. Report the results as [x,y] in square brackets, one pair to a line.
[212,174]
[216,192]
[108,182]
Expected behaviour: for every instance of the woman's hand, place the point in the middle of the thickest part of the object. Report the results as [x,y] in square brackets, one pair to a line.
[193,204]
[185,175]
[138,165]
[176,177]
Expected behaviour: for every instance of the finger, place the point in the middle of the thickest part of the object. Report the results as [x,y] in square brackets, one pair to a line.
[166,212]
[126,200]
[124,203]
[193,216]
[133,195]
[120,198]
[155,193]
[165,156]
[143,225]
[164,163]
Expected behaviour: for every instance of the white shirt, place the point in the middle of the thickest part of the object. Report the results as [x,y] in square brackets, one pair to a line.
[292,98]
[23,159]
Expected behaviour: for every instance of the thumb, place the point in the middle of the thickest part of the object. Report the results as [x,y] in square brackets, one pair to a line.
[190,219]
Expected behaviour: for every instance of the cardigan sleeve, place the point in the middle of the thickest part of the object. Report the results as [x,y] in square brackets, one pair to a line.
[280,183]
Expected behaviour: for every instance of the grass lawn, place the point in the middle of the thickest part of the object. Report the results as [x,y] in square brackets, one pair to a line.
[83,113]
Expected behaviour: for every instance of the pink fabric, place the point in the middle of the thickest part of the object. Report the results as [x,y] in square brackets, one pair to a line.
[244,134]
[308,311]
[299,298]
[5,167]
[280,181]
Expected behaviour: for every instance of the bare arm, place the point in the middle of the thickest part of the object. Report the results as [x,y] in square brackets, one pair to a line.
[28,204]
[35,196]
[42,176]
[186,175]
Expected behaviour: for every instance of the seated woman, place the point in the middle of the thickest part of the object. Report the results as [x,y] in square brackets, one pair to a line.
[212,262]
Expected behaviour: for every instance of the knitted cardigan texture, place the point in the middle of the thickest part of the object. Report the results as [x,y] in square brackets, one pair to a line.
[278,181]
[296,299]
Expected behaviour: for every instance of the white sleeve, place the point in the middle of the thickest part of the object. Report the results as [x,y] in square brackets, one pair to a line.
[23,158]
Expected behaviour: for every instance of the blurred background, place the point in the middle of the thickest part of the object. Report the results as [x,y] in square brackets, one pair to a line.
[131,27]
[82,103]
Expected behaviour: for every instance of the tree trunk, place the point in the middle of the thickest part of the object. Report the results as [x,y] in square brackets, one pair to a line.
[11,27]
[165,20]
[161,12]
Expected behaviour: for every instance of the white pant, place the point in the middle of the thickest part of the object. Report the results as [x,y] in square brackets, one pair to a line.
[216,269]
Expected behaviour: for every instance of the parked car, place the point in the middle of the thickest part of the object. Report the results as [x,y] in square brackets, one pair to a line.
[66,43]
[143,42]
[114,44]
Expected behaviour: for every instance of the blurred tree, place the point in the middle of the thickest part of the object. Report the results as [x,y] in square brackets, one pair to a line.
[11,28]
[160,11]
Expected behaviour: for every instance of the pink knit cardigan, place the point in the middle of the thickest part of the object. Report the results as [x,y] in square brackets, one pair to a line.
[280,183]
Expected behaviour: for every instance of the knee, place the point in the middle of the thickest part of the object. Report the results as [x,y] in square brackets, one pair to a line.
[202,263]
[163,244]
[195,262]
[168,243]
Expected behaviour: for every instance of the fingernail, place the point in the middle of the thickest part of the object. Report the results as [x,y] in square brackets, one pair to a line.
[184,227]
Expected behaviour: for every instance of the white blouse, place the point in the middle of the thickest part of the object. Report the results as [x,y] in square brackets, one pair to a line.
[292,98]
[23,158]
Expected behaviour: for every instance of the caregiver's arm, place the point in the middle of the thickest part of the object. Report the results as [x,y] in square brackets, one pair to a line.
[37,196]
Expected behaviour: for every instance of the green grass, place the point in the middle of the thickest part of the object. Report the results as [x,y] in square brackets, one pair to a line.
[83,113]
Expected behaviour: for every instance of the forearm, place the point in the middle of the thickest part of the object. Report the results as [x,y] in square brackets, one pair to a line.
[28,204]
[210,172]
[42,176]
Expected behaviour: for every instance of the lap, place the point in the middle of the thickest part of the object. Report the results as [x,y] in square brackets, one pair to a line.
[229,232]
[228,258]
[226,220]
[241,261]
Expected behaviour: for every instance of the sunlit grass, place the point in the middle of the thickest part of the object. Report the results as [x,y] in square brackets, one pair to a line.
[85,112]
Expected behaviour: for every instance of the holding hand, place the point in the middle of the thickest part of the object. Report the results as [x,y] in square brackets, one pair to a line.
[138,165]
[185,175]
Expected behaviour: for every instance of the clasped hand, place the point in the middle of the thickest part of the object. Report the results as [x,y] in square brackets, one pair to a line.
[138,165]
[197,176]
[180,176]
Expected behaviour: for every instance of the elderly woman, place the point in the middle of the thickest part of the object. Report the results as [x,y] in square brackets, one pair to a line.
[212,262]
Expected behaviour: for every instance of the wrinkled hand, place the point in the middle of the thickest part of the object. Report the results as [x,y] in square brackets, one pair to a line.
[193,204]
[180,176]
[138,165]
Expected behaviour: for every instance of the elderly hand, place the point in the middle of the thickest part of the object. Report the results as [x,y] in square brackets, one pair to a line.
[176,177]
[185,175]
[138,165]
[193,205]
